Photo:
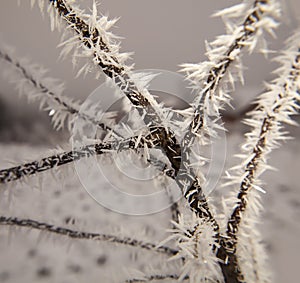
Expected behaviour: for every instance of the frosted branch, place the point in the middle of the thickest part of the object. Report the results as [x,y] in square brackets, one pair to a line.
[54,161]
[50,162]
[275,107]
[226,51]
[100,45]
[212,95]
[33,224]
[30,80]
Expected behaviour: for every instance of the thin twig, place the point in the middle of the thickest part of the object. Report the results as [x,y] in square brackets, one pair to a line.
[272,115]
[33,224]
[50,162]
[92,38]
[58,99]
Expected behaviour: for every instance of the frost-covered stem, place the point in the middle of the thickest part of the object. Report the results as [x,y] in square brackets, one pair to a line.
[154,278]
[50,162]
[92,38]
[274,107]
[45,92]
[247,182]
[196,198]
[208,104]
[53,161]
[227,251]
[33,224]
[214,78]
[216,73]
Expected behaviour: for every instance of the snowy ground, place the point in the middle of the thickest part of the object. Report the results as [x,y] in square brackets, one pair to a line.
[30,256]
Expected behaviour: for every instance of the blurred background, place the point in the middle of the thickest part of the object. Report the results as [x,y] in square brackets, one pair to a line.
[162,34]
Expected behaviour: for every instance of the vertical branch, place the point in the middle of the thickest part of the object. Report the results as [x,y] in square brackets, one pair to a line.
[212,95]
[276,106]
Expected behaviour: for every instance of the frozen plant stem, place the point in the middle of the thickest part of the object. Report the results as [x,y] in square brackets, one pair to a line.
[211,98]
[53,161]
[54,99]
[50,162]
[207,103]
[33,224]
[275,107]
[91,38]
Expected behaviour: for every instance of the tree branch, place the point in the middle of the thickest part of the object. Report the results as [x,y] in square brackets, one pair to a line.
[274,107]
[52,96]
[210,100]
[33,224]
